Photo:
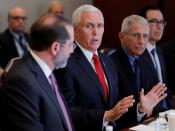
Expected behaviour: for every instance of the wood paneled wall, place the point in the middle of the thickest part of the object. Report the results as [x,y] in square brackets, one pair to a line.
[115,11]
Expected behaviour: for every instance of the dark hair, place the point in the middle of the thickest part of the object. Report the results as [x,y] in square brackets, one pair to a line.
[144,10]
[48,29]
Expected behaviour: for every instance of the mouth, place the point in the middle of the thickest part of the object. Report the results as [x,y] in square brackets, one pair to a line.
[94,41]
[140,48]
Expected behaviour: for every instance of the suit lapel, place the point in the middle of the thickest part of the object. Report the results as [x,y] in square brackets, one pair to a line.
[11,44]
[109,77]
[43,81]
[162,63]
[150,62]
[84,63]
[125,62]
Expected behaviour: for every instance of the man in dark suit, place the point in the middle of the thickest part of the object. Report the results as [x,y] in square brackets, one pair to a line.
[30,98]
[153,53]
[169,53]
[135,76]
[14,41]
[92,95]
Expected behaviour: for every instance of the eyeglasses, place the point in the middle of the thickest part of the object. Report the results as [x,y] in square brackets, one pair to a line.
[73,45]
[156,22]
[138,35]
[18,18]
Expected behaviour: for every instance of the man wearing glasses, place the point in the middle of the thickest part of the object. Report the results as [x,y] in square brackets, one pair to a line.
[135,76]
[153,54]
[14,41]
[30,98]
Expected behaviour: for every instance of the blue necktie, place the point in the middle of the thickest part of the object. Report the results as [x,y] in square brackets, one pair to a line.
[137,74]
[21,43]
[153,52]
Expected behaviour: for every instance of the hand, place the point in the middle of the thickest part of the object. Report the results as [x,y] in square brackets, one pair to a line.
[119,109]
[152,98]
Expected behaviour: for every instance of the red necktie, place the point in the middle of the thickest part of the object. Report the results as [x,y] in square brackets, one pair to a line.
[100,74]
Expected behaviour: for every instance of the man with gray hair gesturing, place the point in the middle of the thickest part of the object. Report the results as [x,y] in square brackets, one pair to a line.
[135,74]
[89,82]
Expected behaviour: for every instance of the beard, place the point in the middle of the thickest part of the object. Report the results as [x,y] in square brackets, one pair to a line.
[60,60]
[60,65]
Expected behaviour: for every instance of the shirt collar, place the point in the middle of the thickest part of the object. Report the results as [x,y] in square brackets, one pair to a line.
[16,35]
[130,57]
[45,68]
[87,53]
[150,47]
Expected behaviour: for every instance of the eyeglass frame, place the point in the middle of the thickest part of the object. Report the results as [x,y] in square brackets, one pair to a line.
[72,44]
[156,21]
[18,17]
[137,35]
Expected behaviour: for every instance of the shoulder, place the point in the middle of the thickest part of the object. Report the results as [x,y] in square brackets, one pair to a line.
[5,33]
[168,46]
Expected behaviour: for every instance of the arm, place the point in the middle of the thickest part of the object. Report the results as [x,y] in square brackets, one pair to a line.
[20,106]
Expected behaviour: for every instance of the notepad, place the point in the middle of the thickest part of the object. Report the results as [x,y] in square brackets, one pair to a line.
[142,127]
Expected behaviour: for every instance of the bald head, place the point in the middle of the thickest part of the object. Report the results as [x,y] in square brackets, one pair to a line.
[48,29]
[56,7]
[17,19]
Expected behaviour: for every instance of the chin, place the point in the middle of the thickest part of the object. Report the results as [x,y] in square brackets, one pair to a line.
[63,65]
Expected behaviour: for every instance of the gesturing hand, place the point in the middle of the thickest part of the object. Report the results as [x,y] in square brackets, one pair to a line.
[152,98]
[119,109]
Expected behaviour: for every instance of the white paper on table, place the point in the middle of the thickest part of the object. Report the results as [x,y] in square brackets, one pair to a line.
[142,127]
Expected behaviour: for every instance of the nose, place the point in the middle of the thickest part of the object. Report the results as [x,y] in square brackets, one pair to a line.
[143,40]
[94,32]
[160,26]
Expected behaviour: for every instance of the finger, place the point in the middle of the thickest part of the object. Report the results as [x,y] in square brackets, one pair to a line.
[127,104]
[159,88]
[142,92]
[162,97]
[127,101]
[156,86]
[162,91]
[127,98]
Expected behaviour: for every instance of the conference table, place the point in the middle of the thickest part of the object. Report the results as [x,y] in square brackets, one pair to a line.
[146,122]
[152,124]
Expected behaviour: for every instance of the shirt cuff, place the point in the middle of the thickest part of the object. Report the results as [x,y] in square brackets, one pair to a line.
[140,115]
[105,123]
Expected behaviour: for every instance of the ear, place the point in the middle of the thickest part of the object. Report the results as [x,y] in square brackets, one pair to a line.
[121,35]
[55,47]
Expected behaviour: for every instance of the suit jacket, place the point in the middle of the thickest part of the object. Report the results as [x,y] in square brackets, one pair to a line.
[27,100]
[161,59]
[8,49]
[84,93]
[127,85]
[169,55]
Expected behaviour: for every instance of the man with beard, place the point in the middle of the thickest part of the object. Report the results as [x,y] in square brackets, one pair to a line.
[30,97]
